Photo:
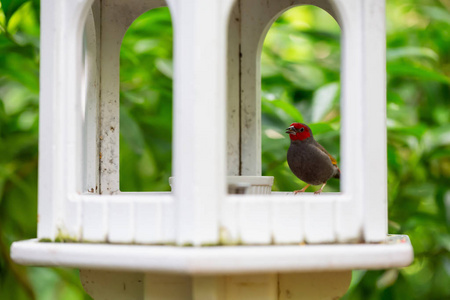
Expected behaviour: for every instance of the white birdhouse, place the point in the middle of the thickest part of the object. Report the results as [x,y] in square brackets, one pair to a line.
[217,48]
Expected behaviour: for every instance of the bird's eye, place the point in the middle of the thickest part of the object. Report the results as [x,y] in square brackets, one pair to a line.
[302,129]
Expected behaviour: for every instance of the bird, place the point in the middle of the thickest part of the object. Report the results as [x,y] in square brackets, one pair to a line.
[308,159]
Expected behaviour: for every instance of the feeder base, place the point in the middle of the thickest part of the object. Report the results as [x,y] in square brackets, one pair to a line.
[150,286]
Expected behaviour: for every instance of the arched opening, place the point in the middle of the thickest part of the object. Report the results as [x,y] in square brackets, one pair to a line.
[146,103]
[300,82]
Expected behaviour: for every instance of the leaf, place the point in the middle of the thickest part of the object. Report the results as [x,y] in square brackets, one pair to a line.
[416,131]
[289,109]
[131,132]
[387,279]
[165,66]
[408,52]
[416,72]
[439,136]
[323,100]
[437,13]
[321,128]
[304,76]
[9,7]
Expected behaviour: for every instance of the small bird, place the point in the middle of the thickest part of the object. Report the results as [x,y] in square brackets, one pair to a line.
[308,159]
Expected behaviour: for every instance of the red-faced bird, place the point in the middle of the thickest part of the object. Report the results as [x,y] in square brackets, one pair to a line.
[308,159]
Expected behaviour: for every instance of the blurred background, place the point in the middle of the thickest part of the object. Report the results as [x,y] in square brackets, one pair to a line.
[300,82]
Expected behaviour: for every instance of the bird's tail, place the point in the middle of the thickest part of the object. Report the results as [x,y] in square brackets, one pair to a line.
[338,173]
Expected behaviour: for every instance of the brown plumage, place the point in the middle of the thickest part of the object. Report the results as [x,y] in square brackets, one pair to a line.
[309,160]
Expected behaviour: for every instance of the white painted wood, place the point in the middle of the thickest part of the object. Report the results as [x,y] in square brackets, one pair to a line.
[314,286]
[349,212]
[256,19]
[148,216]
[319,221]
[229,226]
[396,252]
[251,86]
[90,102]
[233,92]
[70,134]
[169,222]
[374,112]
[94,219]
[117,16]
[255,22]
[112,285]
[288,221]
[75,15]
[72,228]
[254,185]
[49,205]
[154,219]
[149,223]
[217,60]
[199,118]
[281,217]
[126,285]
[199,212]
[210,288]
[111,34]
[120,222]
[60,152]
[167,286]
[254,220]
[252,287]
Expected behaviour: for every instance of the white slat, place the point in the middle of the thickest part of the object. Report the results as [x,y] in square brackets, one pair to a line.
[71,228]
[148,218]
[94,219]
[288,220]
[169,222]
[120,221]
[375,148]
[319,220]
[49,206]
[229,227]
[254,220]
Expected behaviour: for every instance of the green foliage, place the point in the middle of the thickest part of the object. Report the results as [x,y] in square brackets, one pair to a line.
[146,103]
[300,82]
[300,67]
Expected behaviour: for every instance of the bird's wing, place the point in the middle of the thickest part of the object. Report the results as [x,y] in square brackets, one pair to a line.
[333,160]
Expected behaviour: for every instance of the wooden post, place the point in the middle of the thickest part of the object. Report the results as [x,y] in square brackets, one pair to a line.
[102,285]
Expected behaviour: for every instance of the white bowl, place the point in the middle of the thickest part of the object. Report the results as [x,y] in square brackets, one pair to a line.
[245,184]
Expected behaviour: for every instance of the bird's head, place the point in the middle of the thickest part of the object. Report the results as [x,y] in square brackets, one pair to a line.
[299,131]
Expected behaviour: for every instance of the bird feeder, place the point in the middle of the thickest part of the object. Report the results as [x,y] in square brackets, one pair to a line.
[199,241]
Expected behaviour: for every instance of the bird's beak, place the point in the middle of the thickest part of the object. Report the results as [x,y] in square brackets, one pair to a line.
[290,130]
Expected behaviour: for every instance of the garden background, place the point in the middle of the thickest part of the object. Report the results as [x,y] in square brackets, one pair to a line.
[300,82]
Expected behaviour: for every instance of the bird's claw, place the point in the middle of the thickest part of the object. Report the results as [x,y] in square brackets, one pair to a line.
[302,190]
[298,191]
[317,192]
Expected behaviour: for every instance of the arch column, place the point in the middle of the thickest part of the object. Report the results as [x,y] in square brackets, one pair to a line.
[250,23]
[199,117]
[115,17]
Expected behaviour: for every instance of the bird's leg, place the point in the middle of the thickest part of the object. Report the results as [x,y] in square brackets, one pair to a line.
[302,190]
[320,190]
